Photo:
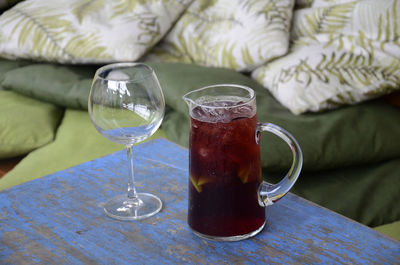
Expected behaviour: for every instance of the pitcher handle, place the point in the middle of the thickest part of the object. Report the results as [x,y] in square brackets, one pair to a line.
[271,193]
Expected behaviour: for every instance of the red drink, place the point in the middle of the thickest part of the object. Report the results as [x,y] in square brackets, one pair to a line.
[225,171]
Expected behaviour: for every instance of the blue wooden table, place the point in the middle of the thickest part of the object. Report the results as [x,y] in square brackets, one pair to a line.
[59,220]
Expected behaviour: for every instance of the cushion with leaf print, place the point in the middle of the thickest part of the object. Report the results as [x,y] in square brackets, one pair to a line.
[75,31]
[235,34]
[343,53]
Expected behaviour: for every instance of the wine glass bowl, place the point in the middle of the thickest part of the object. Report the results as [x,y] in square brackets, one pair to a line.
[126,105]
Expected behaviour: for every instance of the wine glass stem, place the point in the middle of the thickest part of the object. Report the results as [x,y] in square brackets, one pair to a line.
[133,198]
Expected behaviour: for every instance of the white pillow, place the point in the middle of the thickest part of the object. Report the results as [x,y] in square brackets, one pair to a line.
[342,54]
[74,31]
[236,34]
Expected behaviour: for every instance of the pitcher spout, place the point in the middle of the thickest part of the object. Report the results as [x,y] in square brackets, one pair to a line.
[188,99]
[197,97]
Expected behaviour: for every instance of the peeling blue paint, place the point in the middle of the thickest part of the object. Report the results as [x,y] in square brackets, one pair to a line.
[59,219]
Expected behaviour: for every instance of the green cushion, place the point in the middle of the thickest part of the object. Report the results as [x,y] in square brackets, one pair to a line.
[25,124]
[392,230]
[354,135]
[6,66]
[368,194]
[52,83]
[77,141]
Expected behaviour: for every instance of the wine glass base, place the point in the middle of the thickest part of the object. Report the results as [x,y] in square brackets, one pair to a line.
[121,208]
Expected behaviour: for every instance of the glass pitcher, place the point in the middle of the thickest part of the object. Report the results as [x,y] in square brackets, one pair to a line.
[227,195]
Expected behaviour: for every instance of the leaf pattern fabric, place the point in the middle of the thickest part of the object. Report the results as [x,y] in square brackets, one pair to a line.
[311,55]
[89,31]
[343,52]
[235,34]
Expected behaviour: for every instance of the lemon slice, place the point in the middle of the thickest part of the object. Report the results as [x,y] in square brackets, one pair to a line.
[197,184]
[243,173]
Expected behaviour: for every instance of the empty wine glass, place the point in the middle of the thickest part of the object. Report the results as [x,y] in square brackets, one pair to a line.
[126,105]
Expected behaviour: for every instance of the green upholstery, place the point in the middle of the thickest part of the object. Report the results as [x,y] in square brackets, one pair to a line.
[355,135]
[392,229]
[77,141]
[25,124]
[32,80]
